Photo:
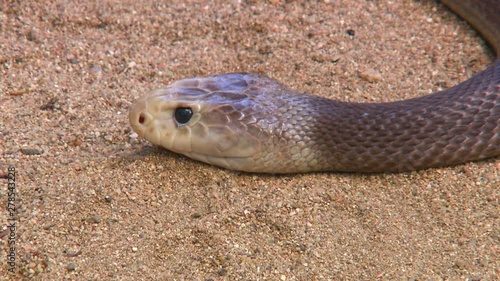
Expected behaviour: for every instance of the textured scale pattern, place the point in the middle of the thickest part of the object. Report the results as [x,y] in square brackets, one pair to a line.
[454,126]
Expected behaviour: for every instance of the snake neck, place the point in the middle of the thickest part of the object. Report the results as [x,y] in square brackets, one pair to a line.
[456,125]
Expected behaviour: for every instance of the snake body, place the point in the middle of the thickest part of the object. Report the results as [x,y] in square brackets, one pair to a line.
[253,123]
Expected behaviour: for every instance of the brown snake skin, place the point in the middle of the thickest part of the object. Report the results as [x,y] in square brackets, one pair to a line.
[252,123]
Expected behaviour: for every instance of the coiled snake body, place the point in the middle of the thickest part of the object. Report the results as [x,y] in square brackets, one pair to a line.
[252,123]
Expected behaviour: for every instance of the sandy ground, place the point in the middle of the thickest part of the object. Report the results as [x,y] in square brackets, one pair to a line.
[94,202]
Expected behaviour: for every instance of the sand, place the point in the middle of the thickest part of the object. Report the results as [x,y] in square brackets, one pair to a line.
[94,202]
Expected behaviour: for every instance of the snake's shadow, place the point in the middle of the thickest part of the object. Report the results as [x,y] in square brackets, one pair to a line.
[153,150]
[160,156]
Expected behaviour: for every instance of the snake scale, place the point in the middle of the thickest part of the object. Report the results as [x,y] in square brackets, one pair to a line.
[252,123]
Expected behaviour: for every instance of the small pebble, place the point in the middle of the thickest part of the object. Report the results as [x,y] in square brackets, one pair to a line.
[71,267]
[34,36]
[95,68]
[30,151]
[95,219]
[460,264]
[370,75]
[38,269]
[490,176]
[108,198]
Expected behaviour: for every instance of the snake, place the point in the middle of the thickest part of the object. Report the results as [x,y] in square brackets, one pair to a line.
[252,123]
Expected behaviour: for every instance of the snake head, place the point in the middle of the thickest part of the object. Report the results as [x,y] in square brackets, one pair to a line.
[202,118]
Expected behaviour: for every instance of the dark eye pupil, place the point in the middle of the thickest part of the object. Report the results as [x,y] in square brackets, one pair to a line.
[183,114]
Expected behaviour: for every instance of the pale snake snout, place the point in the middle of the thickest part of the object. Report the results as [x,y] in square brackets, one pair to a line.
[252,123]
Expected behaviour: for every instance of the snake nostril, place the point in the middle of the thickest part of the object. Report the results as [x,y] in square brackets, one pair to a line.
[142,119]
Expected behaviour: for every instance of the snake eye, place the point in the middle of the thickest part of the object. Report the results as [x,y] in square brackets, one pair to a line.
[183,115]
